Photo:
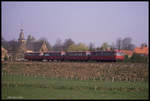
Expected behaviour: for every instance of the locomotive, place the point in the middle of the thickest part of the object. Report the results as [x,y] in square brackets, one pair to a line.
[75,56]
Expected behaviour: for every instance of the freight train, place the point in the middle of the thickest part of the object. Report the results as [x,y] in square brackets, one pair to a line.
[75,56]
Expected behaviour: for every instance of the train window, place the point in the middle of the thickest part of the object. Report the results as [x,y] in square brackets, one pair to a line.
[46,54]
[76,53]
[36,54]
[107,54]
[87,53]
[119,54]
[41,54]
[112,53]
[52,54]
[100,53]
[56,54]
[29,54]
[93,53]
[33,54]
[104,54]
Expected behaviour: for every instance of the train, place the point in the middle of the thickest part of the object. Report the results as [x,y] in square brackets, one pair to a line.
[75,56]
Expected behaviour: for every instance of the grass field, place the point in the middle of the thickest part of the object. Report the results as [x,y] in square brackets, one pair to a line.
[18,84]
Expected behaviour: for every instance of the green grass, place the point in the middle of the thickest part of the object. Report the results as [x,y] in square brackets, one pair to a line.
[30,87]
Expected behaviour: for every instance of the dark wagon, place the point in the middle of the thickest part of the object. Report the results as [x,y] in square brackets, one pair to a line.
[76,56]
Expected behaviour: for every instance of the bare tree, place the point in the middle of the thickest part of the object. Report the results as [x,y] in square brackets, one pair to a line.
[143,45]
[119,43]
[58,45]
[12,45]
[126,44]
[30,41]
[67,43]
[91,46]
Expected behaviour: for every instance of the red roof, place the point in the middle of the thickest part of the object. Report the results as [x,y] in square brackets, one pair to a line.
[141,50]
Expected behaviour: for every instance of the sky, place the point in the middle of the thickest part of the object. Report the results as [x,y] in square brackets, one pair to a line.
[85,22]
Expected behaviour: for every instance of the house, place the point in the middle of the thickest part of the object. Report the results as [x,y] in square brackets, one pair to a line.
[141,50]
[39,46]
[4,53]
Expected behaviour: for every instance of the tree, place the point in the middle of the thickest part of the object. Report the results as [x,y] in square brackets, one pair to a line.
[58,45]
[6,58]
[143,45]
[98,48]
[104,46]
[13,45]
[126,58]
[78,47]
[112,46]
[82,47]
[126,44]
[30,41]
[5,43]
[67,43]
[91,47]
[138,58]
[3,39]
[119,43]
[72,47]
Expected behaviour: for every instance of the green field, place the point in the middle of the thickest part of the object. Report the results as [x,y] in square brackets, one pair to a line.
[30,87]
[74,80]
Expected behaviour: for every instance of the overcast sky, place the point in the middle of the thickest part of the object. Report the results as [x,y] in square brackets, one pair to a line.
[86,22]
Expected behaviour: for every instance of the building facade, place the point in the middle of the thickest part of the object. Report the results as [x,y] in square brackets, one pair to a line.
[22,47]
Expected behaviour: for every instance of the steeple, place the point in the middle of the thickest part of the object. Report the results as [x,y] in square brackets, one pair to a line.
[21,45]
[21,36]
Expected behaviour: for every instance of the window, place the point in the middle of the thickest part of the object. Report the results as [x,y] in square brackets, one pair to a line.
[119,54]
[46,54]
[76,53]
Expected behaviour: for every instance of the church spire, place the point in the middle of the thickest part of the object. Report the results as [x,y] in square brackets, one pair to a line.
[21,36]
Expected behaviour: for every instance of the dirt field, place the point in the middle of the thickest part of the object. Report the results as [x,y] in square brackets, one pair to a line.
[80,70]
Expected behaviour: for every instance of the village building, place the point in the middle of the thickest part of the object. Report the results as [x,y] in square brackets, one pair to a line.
[21,46]
[141,50]
[4,54]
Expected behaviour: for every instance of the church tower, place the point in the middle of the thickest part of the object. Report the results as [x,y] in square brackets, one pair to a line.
[21,45]
[21,37]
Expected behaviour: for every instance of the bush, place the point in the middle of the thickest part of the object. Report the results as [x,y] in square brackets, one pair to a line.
[139,58]
[5,58]
[126,59]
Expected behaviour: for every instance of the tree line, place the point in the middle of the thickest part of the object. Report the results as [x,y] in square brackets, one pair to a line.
[70,45]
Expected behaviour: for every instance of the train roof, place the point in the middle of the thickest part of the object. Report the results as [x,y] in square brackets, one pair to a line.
[103,51]
[76,51]
[54,52]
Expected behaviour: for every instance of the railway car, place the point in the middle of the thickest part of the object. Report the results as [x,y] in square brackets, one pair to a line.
[103,55]
[76,56]
[55,55]
[33,56]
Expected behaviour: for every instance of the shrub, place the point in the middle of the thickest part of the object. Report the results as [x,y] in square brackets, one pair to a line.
[5,58]
[139,58]
[126,58]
